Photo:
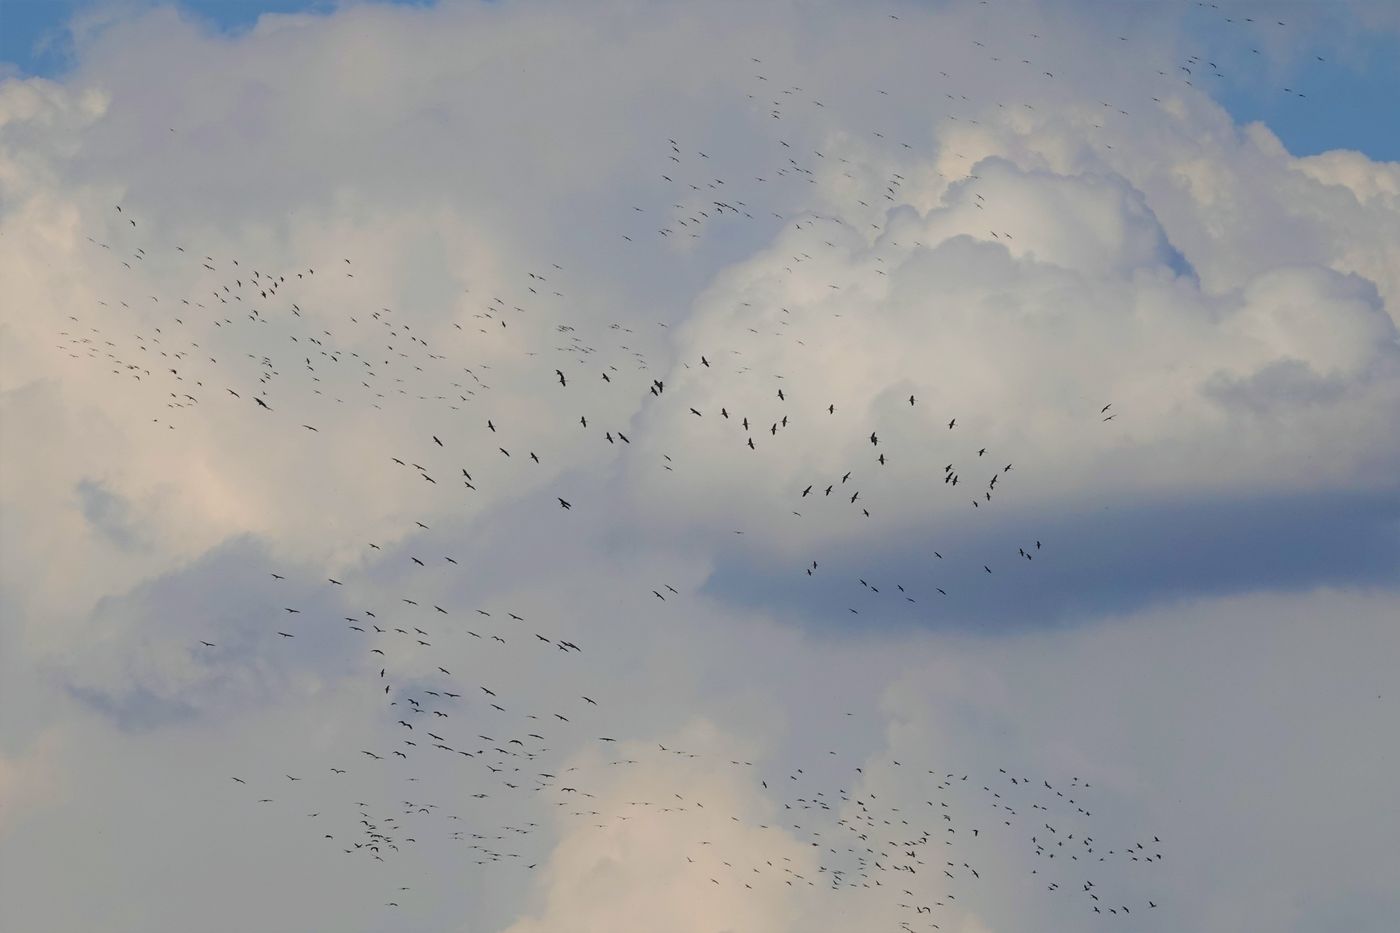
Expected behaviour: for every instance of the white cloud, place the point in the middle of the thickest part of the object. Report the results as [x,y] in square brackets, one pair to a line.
[905,207]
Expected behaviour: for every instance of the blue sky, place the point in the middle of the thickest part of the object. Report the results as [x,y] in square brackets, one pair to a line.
[1347,86]
[1346,90]
[32,31]
[31,37]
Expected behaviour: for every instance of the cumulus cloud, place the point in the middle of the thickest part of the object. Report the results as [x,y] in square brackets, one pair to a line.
[1014,217]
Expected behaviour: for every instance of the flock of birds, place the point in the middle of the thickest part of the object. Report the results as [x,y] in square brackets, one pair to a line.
[225,338]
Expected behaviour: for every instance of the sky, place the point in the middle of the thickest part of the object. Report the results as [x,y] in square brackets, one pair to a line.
[805,465]
[1357,80]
